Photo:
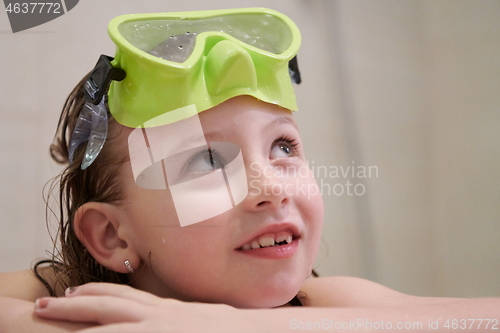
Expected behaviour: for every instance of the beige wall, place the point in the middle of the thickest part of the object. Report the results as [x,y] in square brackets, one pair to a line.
[411,87]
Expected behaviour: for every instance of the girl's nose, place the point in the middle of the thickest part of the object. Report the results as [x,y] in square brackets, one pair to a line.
[267,189]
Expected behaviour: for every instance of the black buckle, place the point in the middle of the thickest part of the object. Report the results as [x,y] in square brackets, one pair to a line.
[293,70]
[100,79]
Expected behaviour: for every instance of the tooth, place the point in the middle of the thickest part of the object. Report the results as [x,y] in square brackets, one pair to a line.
[255,244]
[281,238]
[266,240]
[289,239]
[246,247]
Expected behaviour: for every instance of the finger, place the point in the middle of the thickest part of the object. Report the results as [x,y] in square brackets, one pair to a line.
[114,290]
[90,309]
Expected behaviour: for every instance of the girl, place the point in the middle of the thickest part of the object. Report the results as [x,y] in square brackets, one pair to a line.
[186,182]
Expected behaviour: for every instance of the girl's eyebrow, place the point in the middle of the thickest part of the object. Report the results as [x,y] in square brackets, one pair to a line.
[279,121]
[215,136]
[220,136]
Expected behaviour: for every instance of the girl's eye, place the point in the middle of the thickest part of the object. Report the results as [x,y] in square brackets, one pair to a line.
[207,160]
[283,147]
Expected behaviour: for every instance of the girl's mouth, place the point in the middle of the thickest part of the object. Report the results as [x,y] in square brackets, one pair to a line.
[279,238]
[280,244]
[274,241]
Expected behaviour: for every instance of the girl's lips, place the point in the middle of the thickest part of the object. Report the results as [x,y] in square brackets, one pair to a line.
[273,252]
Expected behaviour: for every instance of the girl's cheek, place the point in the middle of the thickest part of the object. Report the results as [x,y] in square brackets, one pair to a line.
[307,187]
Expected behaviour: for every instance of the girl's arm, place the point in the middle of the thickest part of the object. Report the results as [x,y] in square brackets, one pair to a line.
[472,315]
[118,307]
[344,291]
[23,285]
[18,292]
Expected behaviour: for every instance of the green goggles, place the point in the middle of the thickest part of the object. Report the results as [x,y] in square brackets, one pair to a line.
[173,60]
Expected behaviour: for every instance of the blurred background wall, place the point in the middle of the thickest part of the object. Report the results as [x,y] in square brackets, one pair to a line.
[410,88]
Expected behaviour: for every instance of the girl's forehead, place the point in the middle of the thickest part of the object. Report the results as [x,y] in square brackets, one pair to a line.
[239,116]
[243,112]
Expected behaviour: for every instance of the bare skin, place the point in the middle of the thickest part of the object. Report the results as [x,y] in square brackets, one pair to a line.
[333,298]
[341,291]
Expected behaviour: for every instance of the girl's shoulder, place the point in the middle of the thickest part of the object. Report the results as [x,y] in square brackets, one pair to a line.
[345,291]
[24,284]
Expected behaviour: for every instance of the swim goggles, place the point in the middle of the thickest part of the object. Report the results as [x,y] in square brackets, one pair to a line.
[168,61]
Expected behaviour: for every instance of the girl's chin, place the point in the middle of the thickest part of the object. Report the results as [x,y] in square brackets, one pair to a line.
[265,304]
[273,294]
[266,300]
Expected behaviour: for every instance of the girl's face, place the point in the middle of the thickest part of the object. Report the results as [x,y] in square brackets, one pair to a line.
[215,260]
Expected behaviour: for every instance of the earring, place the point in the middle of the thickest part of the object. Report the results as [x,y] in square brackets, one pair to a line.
[129,266]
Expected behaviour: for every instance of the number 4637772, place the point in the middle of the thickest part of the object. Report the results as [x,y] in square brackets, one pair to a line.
[482,324]
[34,8]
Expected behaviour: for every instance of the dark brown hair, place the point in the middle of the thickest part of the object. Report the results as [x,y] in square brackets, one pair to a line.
[71,262]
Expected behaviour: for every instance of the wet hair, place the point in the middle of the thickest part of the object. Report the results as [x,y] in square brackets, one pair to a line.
[71,263]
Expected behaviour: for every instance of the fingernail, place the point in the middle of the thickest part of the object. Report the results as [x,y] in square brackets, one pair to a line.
[69,290]
[41,303]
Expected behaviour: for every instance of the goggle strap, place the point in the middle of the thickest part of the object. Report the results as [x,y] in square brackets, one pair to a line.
[92,123]
[100,78]
[293,69]
[91,126]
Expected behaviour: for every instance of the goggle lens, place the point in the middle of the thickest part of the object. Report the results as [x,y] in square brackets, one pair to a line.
[174,39]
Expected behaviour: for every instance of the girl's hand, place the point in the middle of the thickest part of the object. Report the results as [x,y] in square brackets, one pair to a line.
[120,308]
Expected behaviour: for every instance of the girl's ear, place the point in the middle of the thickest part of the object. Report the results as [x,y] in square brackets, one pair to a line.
[97,225]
